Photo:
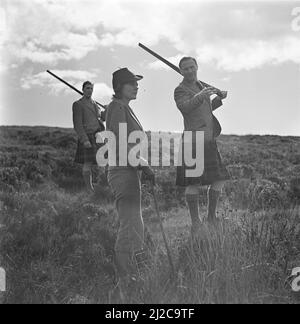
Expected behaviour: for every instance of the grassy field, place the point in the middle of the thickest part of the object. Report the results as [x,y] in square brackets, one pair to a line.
[57,242]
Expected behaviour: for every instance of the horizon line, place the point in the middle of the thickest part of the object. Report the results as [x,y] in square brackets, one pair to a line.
[159,131]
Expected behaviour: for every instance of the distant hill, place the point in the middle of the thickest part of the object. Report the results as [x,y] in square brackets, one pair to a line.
[40,154]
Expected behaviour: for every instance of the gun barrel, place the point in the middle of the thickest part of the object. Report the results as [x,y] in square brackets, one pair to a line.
[171,65]
[72,87]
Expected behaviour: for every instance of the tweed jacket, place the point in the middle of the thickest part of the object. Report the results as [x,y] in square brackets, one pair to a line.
[196,112]
[87,118]
[118,113]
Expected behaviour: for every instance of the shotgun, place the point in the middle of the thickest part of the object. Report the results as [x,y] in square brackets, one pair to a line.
[72,87]
[171,65]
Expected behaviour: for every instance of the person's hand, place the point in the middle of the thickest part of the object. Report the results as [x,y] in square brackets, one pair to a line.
[148,175]
[98,137]
[87,145]
[222,94]
[207,92]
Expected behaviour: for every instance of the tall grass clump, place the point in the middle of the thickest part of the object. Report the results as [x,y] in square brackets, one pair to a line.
[55,245]
[245,261]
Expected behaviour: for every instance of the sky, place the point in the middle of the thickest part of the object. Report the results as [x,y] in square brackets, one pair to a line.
[249,48]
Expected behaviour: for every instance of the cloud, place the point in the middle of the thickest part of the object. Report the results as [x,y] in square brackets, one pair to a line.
[3,37]
[3,25]
[102,91]
[51,31]
[247,55]
[42,79]
[232,36]
[44,31]
[240,36]
[226,78]
[63,46]
[158,65]
[75,78]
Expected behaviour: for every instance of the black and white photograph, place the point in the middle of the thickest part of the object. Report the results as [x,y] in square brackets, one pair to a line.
[150,154]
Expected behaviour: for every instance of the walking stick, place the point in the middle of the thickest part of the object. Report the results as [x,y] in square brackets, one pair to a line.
[162,231]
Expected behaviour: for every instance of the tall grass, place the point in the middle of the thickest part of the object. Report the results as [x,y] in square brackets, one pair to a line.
[58,248]
[245,260]
[57,243]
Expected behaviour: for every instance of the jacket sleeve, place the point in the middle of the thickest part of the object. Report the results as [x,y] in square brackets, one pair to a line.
[115,115]
[216,103]
[185,103]
[78,123]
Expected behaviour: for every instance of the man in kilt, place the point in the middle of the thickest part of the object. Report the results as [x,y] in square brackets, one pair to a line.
[194,102]
[88,121]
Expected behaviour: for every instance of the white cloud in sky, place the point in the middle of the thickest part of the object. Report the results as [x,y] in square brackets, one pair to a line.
[49,31]
[158,65]
[237,55]
[75,78]
[2,23]
[3,37]
[65,46]
[42,79]
[234,36]
[102,91]
[247,55]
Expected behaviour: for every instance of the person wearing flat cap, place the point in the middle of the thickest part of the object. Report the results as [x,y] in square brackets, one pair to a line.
[125,181]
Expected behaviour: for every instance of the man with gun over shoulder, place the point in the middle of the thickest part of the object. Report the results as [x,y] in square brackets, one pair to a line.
[88,121]
[193,100]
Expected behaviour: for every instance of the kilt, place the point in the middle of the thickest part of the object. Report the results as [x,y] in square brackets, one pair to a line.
[87,155]
[214,169]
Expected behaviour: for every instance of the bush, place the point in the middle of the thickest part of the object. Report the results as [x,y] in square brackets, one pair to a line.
[57,244]
[238,171]
[11,176]
[255,195]
[295,189]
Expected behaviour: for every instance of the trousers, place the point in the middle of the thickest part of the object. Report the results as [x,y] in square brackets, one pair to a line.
[126,187]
